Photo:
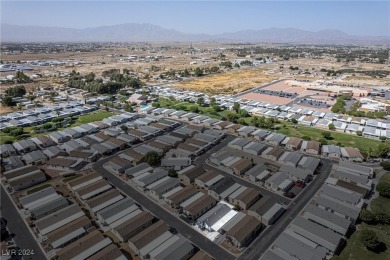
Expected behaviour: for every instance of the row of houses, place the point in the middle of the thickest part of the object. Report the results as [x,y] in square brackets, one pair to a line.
[64,228]
[274,139]
[38,116]
[147,236]
[321,227]
[304,116]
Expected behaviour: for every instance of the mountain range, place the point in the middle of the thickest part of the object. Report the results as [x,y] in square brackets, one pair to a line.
[134,32]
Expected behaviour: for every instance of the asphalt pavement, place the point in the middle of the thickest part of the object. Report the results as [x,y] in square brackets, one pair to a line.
[268,236]
[184,229]
[23,237]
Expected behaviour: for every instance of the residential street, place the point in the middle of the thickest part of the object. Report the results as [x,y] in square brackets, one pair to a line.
[184,229]
[23,237]
[267,237]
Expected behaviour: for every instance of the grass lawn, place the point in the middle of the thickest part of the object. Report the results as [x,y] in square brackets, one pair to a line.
[300,131]
[315,134]
[84,119]
[38,188]
[67,179]
[354,249]
[95,116]
[6,138]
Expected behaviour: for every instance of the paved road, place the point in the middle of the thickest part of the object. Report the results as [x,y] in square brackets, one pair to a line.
[201,161]
[23,237]
[184,229]
[253,89]
[268,236]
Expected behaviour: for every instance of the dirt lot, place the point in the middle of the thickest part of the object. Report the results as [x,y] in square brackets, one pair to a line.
[231,82]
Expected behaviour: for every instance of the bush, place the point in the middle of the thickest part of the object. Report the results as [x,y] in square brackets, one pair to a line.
[16,132]
[386,165]
[152,158]
[294,121]
[172,173]
[194,109]
[384,189]
[369,239]
[326,135]
[323,141]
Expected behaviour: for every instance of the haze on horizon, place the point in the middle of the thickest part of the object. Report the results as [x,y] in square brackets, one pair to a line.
[211,17]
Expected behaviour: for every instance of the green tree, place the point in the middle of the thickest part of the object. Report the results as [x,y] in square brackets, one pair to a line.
[367,216]
[236,106]
[198,72]
[331,126]
[231,116]
[359,133]
[200,101]
[156,104]
[243,113]
[194,109]
[384,189]
[326,135]
[8,102]
[384,164]
[172,173]
[217,108]
[213,101]
[294,121]
[152,158]
[382,150]
[124,128]
[369,239]
[382,138]
[242,121]
[17,91]
[323,141]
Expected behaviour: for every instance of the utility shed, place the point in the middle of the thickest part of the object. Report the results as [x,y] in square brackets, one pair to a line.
[316,233]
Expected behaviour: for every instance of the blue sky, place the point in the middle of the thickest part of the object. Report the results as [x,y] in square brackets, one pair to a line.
[352,17]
